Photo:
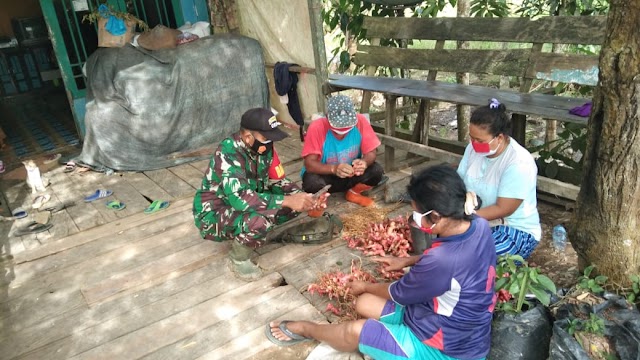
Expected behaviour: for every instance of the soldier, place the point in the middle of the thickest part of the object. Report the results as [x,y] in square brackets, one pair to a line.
[244,192]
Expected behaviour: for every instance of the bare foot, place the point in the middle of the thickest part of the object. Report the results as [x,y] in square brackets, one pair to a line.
[294,327]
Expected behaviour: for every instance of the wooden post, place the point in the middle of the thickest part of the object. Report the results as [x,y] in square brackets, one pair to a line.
[463,111]
[319,54]
[390,130]
[519,121]
[519,127]
[371,71]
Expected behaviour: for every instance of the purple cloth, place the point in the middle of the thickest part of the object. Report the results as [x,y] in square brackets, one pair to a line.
[583,110]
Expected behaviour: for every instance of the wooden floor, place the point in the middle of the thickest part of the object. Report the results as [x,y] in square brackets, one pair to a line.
[105,284]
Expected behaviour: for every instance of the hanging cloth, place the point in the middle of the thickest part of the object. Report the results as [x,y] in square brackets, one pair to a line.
[286,83]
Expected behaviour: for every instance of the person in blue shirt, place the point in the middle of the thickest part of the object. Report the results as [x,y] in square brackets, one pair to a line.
[442,308]
[340,150]
[503,174]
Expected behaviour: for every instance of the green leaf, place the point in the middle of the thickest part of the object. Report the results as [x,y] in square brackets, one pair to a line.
[541,295]
[631,298]
[635,278]
[514,288]
[601,279]
[501,283]
[533,275]
[597,289]
[546,283]
[588,270]
[635,287]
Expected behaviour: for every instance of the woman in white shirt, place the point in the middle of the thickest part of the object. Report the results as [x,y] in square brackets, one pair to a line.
[503,174]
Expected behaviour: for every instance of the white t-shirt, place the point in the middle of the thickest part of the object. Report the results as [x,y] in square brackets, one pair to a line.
[512,174]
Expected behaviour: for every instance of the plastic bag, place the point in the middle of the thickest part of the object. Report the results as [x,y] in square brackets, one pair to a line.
[622,328]
[186,37]
[523,336]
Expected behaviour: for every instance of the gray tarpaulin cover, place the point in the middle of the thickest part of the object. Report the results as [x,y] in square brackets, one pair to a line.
[143,106]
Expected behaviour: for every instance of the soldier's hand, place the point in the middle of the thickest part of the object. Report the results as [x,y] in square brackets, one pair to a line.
[298,202]
[344,171]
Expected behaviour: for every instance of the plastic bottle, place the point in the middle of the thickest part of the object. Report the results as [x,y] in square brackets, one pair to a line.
[559,236]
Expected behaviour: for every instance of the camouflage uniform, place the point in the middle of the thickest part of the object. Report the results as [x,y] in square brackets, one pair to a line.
[237,200]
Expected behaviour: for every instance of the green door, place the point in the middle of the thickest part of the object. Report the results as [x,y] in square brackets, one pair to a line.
[74,41]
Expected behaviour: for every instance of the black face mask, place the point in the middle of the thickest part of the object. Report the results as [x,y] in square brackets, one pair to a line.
[261,148]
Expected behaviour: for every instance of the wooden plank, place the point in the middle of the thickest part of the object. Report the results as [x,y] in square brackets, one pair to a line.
[217,338]
[123,191]
[44,295]
[548,29]
[182,205]
[546,106]
[172,184]
[172,265]
[188,174]
[147,187]
[200,165]
[199,317]
[261,347]
[86,184]
[511,62]
[567,68]
[84,215]
[550,186]
[134,310]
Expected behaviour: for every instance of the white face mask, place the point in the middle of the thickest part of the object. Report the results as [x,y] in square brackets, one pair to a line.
[342,132]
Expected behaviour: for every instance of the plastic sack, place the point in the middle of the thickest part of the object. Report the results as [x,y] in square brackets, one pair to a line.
[186,37]
[523,336]
[200,28]
[622,328]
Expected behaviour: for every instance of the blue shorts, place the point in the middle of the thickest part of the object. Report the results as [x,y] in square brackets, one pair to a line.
[513,241]
[390,338]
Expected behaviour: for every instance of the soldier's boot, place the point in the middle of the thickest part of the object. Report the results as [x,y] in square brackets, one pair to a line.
[241,264]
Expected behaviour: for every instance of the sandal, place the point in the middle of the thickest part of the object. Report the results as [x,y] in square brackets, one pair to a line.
[156,206]
[99,194]
[116,205]
[294,338]
[19,213]
[32,228]
[69,166]
[40,200]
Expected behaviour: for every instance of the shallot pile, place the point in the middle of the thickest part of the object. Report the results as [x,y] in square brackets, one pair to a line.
[390,237]
[334,286]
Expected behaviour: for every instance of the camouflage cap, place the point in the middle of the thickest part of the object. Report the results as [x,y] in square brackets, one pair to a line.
[340,112]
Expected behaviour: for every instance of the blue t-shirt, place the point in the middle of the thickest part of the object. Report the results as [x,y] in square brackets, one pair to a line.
[448,293]
[512,174]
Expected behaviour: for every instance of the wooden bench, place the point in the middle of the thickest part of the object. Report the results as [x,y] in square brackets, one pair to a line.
[530,59]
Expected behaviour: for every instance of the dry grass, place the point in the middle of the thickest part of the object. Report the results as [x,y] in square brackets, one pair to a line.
[357,222]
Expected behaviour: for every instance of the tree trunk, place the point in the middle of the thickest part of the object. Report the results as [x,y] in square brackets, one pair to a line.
[608,206]
[463,111]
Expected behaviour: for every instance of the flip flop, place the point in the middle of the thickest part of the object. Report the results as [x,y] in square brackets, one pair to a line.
[40,200]
[69,166]
[295,338]
[156,206]
[19,213]
[59,207]
[32,228]
[116,205]
[99,194]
